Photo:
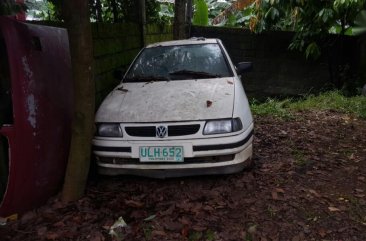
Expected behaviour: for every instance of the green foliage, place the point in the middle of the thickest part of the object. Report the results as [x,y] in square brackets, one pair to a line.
[312,50]
[9,7]
[126,10]
[215,7]
[235,19]
[311,20]
[360,23]
[166,13]
[332,100]
[41,10]
[271,107]
[200,16]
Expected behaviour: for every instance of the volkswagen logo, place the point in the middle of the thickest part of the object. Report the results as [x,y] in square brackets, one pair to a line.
[161,131]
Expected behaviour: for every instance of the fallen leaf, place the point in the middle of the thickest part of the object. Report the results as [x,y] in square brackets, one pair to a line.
[134,204]
[209,103]
[295,238]
[158,233]
[52,236]
[280,190]
[334,209]
[41,231]
[172,226]
[59,224]
[322,232]
[252,229]
[97,236]
[315,193]
[122,89]
[13,217]
[151,217]
[3,221]
[275,194]
[28,216]
[199,228]
[138,214]
[185,231]
[230,82]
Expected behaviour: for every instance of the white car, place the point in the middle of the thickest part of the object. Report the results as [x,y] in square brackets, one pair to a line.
[180,110]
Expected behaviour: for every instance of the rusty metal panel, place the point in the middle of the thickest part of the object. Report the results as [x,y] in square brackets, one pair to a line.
[39,137]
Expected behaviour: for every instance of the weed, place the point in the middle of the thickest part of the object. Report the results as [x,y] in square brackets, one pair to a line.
[357,210]
[271,107]
[195,236]
[209,235]
[147,229]
[332,100]
[299,157]
[271,211]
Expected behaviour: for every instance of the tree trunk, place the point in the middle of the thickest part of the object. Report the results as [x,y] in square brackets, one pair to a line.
[142,6]
[179,26]
[76,16]
[114,11]
[98,9]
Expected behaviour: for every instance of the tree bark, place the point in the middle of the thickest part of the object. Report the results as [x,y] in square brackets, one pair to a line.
[98,7]
[142,6]
[114,11]
[76,16]
[179,26]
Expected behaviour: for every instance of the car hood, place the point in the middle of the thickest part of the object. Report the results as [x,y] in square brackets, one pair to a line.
[162,101]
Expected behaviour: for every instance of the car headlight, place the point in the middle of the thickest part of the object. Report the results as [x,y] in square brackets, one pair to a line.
[222,126]
[110,130]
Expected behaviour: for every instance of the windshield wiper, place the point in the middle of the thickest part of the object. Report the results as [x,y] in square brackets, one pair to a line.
[195,73]
[146,78]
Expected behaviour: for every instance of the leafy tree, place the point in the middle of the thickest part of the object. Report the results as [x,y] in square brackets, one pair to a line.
[10,7]
[41,9]
[128,11]
[200,16]
[312,20]
[230,13]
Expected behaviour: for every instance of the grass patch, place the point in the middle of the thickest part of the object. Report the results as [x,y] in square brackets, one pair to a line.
[271,107]
[332,100]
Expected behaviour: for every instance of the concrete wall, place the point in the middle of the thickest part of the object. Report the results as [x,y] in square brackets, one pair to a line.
[278,71]
[115,47]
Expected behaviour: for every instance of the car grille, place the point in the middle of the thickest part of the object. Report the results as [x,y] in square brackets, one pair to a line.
[188,160]
[173,130]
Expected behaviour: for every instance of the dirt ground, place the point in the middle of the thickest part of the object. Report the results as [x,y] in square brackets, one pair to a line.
[309,183]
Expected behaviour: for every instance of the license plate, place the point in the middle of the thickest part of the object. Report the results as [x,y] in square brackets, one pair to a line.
[161,154]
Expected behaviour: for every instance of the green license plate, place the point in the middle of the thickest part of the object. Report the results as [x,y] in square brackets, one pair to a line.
[161,154]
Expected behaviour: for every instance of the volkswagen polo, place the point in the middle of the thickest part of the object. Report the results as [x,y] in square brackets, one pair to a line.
[179,110]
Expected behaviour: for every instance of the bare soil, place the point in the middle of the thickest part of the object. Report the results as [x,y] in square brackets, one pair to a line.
[309,183]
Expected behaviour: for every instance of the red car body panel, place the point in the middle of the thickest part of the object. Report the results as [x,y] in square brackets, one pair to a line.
[42,97]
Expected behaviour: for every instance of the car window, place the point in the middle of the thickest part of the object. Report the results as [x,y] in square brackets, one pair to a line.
[179,62]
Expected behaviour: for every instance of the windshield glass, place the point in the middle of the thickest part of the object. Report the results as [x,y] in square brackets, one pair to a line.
[196,61]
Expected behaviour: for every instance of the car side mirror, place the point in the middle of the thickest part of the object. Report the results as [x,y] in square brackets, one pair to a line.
[118,74]
[243,67]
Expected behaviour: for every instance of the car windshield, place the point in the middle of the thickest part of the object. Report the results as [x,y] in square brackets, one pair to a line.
[196,61]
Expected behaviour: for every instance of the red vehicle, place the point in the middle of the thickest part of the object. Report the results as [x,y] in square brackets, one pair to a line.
[35,113]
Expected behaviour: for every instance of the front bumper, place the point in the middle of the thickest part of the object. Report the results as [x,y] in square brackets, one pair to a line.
[117,156]
[241,161]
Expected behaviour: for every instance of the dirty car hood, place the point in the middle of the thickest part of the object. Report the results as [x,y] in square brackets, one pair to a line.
[162,101]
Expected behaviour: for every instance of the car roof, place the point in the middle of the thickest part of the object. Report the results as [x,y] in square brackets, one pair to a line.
[199,40]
